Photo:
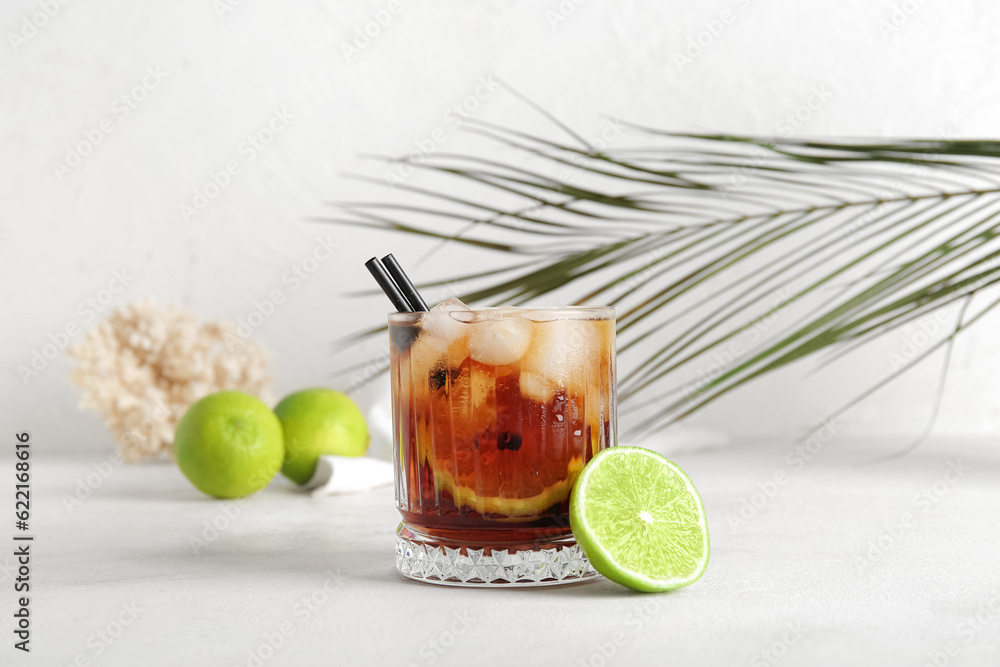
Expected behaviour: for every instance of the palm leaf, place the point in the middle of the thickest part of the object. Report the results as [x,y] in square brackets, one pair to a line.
[706,241]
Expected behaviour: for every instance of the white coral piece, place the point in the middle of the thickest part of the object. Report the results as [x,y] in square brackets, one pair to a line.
[144,365]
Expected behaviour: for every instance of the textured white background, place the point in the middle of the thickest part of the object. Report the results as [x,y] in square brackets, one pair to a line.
[61,239]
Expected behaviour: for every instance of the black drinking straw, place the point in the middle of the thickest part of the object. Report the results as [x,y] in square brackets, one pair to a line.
[404,283]
[385,281]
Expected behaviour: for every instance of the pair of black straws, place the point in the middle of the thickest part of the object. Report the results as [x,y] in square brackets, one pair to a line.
[396,284]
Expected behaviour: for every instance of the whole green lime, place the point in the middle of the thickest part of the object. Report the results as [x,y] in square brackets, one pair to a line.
[229,444]
[317,422]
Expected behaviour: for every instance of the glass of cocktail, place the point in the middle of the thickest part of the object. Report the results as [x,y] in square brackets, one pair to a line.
[495,413]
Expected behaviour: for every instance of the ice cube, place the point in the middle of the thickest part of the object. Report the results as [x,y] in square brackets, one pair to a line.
[536,387]
[510,311]
[484,394]
[439,328]
[563,353]
[422,360]
[428,365]
[551,314]
[544,315]
[497,342]
[450,304]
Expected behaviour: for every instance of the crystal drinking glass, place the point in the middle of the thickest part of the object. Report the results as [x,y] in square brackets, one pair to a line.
[495,413]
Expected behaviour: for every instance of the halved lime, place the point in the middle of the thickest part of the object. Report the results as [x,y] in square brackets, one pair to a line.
[640,520]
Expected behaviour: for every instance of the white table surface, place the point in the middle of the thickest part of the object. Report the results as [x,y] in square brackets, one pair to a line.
[788,587]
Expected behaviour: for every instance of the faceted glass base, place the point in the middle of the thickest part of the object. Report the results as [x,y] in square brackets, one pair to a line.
[424,559]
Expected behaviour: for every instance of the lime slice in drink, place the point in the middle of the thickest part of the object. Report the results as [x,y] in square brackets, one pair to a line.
[640,520]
